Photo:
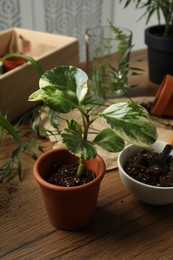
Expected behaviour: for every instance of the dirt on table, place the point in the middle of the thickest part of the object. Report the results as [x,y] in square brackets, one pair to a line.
[145,167]
[7,192]
[65,175]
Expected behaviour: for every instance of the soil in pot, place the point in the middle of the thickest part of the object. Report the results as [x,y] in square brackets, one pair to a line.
[65,175]
[144,167]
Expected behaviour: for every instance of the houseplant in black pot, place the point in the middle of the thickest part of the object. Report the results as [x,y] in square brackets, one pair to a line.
[64,90]
[158,38]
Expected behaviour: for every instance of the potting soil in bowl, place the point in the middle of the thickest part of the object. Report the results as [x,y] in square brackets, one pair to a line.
[145,166]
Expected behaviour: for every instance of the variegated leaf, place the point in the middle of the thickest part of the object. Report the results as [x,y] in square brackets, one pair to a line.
[131,122]
[74,143]
[67,76]
[58,98]
[109,141]
[36,96]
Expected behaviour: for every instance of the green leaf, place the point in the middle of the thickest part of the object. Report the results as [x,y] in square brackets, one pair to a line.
[36,145]
[16,152]
[36,124]
[131,122]
[74,143]
[81,92]
[11,130]
[70,77]
[1,132]
[36,96]
[109,141]
[31,152]
[39,147]
[58,98]
[53,118]
[74,125]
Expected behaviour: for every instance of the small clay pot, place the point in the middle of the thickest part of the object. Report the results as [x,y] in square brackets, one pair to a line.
[163,103]
[12,63]
[68,208]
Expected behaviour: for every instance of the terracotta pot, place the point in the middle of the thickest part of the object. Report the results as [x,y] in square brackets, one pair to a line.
[163,103]
[68,208]
[12,63]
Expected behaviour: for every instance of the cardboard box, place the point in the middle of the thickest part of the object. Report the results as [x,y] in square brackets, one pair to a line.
[49,50]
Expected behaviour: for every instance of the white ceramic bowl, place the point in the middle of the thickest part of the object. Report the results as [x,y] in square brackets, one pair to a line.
[146,193]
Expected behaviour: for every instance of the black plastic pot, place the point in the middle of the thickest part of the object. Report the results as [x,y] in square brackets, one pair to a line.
[160,53]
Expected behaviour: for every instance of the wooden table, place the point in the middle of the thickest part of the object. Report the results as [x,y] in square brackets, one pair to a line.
[122,228]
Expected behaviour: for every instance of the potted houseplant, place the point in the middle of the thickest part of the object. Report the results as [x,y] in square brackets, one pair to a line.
[119,75]
[64,90]
[158,38]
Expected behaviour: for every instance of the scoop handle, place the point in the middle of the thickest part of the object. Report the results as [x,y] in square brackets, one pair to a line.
[167,149]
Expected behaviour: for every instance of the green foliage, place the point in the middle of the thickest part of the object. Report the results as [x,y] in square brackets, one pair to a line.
[121,37]
[108,78]
[5,124]
[126,121]
[6,169]
[64,89]
[155,7]
[131,122]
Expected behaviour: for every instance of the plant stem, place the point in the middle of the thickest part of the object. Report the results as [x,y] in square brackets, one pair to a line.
[80,168]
